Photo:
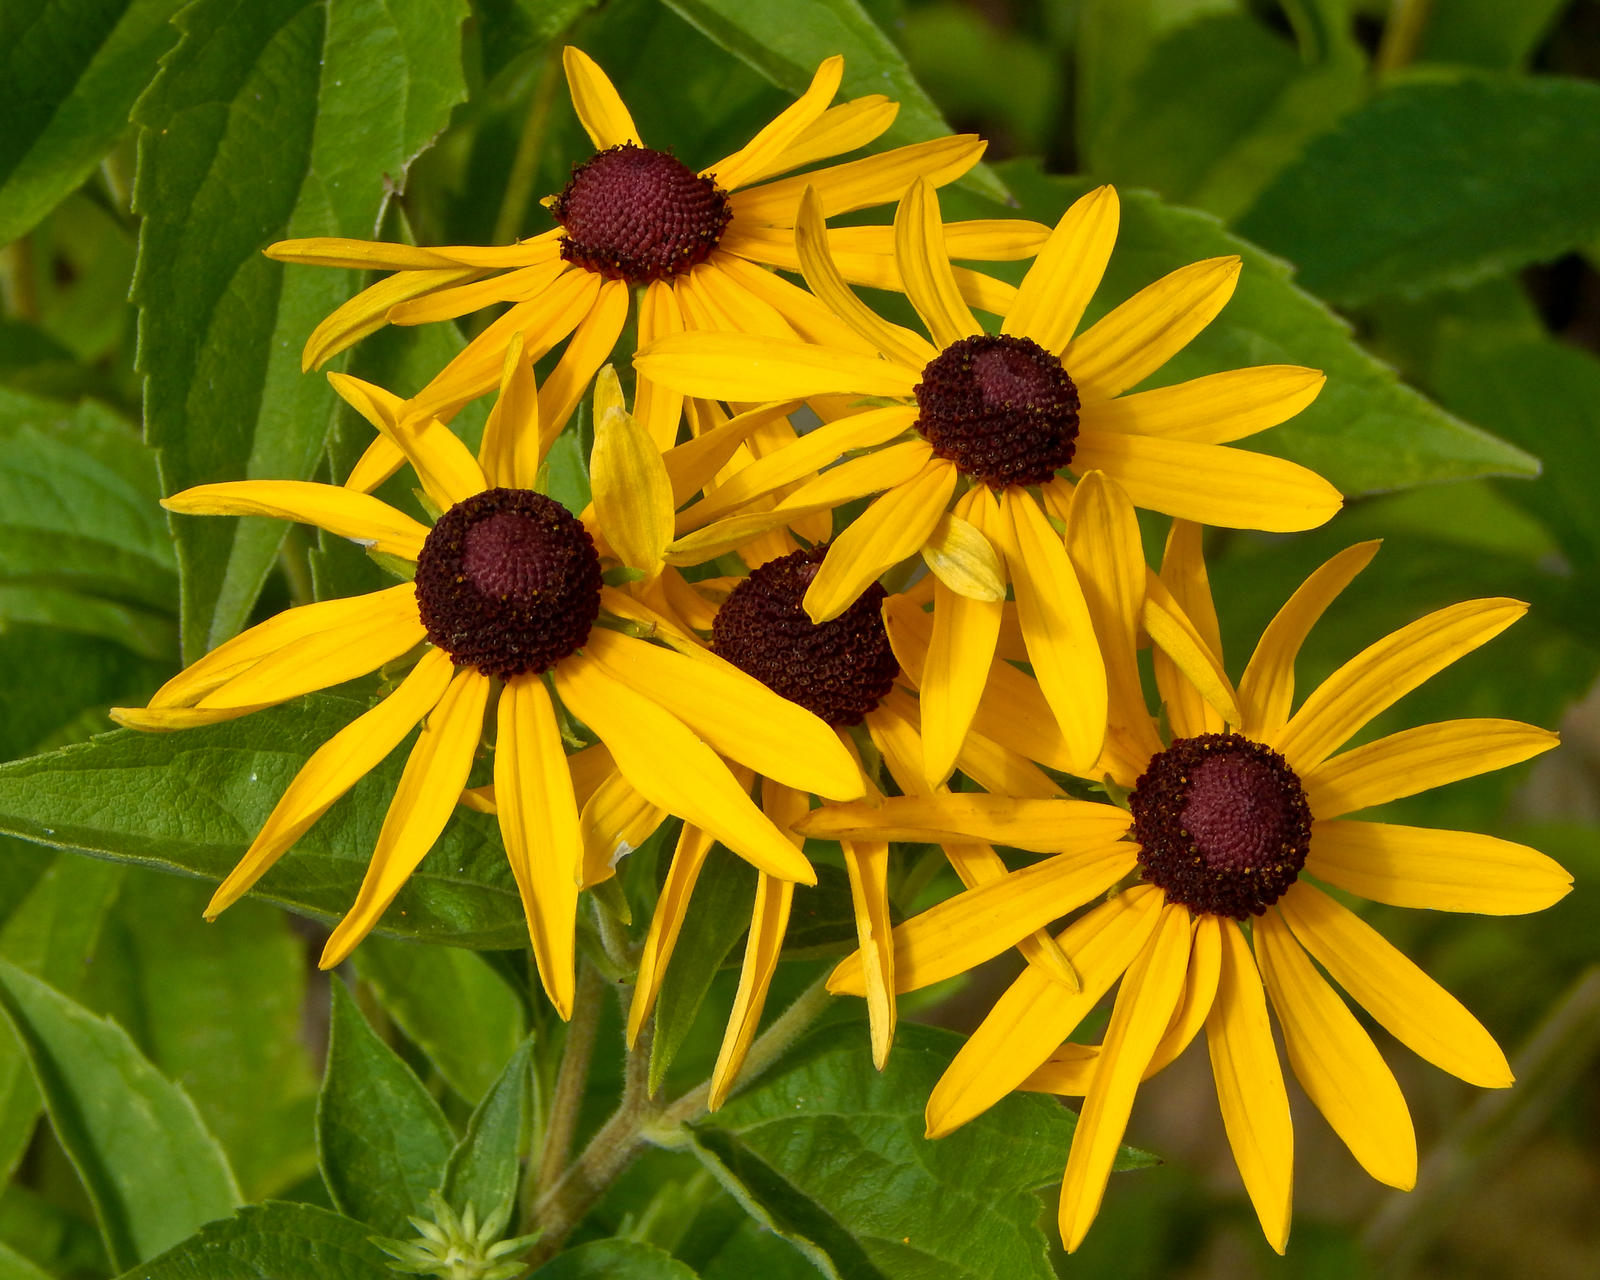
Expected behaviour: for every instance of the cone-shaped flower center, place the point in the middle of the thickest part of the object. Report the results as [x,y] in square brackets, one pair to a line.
[838,670]
[639,215]
[1001,408]
[508,582]
[1223,824]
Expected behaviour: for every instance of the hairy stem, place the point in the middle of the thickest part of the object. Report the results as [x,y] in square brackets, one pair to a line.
[572,1080]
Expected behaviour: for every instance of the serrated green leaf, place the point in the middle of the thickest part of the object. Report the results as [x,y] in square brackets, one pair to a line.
[150,1168]
[69,73]
[830,1152]
[275,119]
[483,1169]
[381,1139]
[614,1260]
[1436,185]
[451,1004]
[191,801]
[273,1241]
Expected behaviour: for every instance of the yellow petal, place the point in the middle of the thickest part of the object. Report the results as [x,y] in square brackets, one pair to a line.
[446,467]
[591,345]
[361,255]
[804,314]
[953,676]
[659,409]
[600,110]
[1405,1001]
[666,922]
[357,516]
[1044,826]
[768,923]
[1383,673]
[925,267]
[1335,1060]
[859,184]
[837,130]
[1211,484]
[510,449]
[1062,279]
[632,494]
[167,719]
[1435,870]
[614,821]
[380,461]
[539,824]
[369,310]
[426,797]
[1267,690]
[1177,640]
[335,767]
[762,151]
[867,865]
[447,303]
[965,561]
[1250,1090]
[694,464]
[1215,409]
[1137,338]
[752,367]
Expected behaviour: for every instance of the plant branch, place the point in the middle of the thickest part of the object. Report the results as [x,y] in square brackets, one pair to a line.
[572,1079]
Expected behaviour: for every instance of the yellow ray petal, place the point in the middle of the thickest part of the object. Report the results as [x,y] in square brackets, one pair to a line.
[1419,759]
[1044,826]
[600,109]
[1267,690]
[890,530]
[711,300]
[965,561]
[539,824]
[953,676]
[357,516]
[1196,689]
[837,130]
[1335,1060]
[768,923]
[673,769]
[1138,337]
[1435,870]
[1405,1001]
[762,151]
[867,865]
[666,922]
[590,347]
[804,314]
[422,804]
[1211,484]
[614,821]
[446,467]
[1036,1013]
[924,265]
[167,719]
[520,285]
[738,715]
[752,367]
[1250,1090]
[659,409]
[859,184]
[1215,409]
[361,255]
[632,494]
[369,310]
[1149,995]
[1062,279]
[1383,673]
[509,452]
[380,461]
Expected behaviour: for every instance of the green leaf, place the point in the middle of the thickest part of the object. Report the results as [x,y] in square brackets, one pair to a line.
[1488,33]
[150,1168]
[785,42]
[614,1260]
[1367,431]
[69,73]
[451,1004]
[273,1241]
[281,118]
[512,29]
[381,1138]
[13,1266]
[831,1154]
[483,1169]
[1437,185]
[65,682]
[146,634]
[191,801]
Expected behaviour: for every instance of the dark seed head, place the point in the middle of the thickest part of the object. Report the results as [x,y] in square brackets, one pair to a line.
[639,215]
[1223,824]
[1001,408]
[508,582]
[839,670]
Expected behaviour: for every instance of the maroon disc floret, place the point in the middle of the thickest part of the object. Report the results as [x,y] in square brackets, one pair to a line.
[508,582]
[1001,408]
[639,215]
[1223,824]
[839,670]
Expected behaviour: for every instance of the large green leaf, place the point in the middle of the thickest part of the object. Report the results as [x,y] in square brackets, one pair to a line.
[273,1241]
[381,1137]
[1434,185]
[484,1167]
[69,73]
[191,801]
[1367,431]
[13,1266]
[512,29]
[150,1168]
[614,1260]
[831,1153]
[272,119]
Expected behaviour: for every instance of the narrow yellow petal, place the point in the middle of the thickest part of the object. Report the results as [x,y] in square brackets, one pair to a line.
[659,409]
[357,516]
[837,130]
[694,464]
[380,461]
[426,797]
[167,719]
[768,923]
[361,255]
[1063,278]
[924,265]
[805,315]
[614,821]
[867,865]
[859,184]
[762,151]
[965,561]
[1178,641]
[1044,826]
[1405,1001]
[446,467]
[753,367]
[509,452]
[1216,409]
[370,310]
[472,295]
[1335,1061]
[600,109]
[666,922]
[632,493]
[1138,337]
[953,677]
[1435,870]
[590,347]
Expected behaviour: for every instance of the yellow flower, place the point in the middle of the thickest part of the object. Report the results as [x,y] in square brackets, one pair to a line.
[997,417]
[1224,823]
[508,601]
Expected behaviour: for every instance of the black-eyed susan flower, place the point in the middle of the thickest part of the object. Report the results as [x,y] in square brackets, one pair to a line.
[970,437]
[1229,825]
[508,603]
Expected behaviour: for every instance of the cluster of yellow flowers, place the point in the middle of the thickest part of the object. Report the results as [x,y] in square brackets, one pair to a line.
[1007,461]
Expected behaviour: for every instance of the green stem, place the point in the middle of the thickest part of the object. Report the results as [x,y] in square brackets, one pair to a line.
[572,1082]
[1402,34]
[18,285]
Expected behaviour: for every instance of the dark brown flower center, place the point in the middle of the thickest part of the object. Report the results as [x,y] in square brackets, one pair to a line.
[508,582]
[639,215]
[1223,824]
[839,670]
[1001,408]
